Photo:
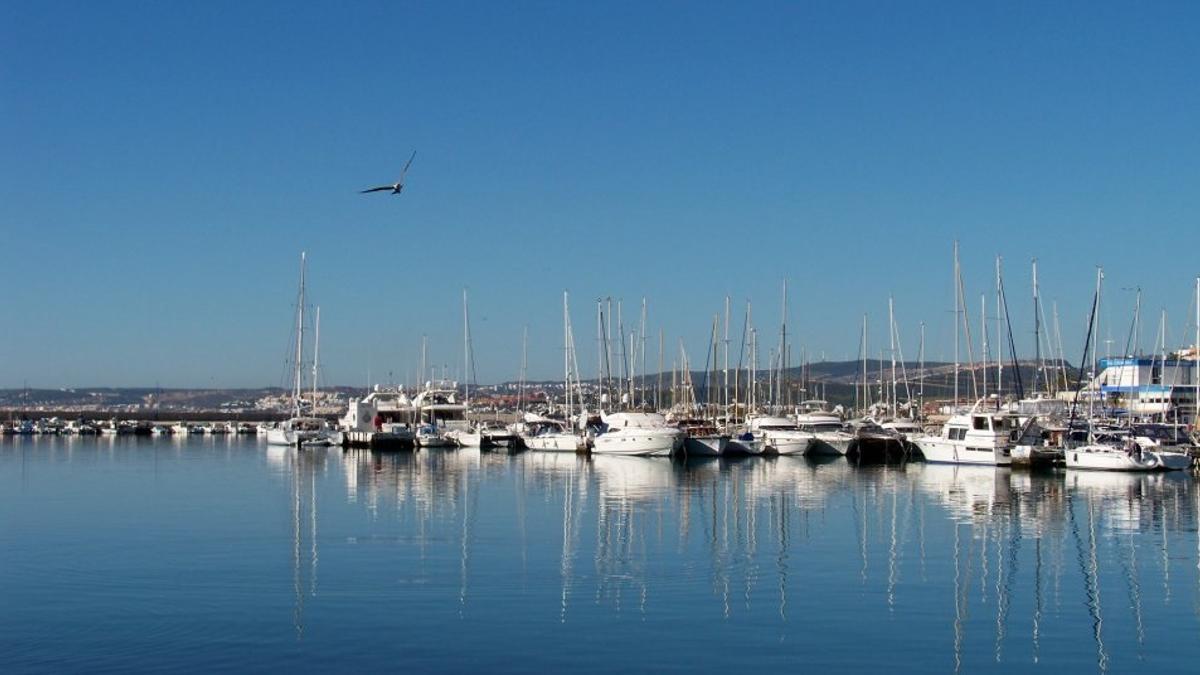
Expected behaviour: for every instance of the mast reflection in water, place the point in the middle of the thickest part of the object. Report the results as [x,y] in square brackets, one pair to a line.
[135,554]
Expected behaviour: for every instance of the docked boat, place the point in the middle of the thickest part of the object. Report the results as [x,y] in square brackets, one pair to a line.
[636,433]
[496,435]
[977,437]
[779,435]
[430,436]
[827,429]
[701,438]
[551,435]
[385,412]
[744,443]
[1109,457]
[440,412]
[302,431]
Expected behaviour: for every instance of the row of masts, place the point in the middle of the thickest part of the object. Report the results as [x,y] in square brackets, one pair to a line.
[623,379]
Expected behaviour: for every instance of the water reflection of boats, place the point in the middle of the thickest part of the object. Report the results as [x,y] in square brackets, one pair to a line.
[632,478]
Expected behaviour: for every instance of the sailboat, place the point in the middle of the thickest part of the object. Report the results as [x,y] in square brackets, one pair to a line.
[541,433]
[301,429]
[1100,453]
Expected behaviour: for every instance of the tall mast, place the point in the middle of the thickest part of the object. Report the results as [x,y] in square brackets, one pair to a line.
[658,384]
[725,369]
[316,356]
[1061,374]
[642,337]
[1196,364]
[753,393]
[866,402]
[1037,331]
[297,378]
[983,330]
[600,383]
[999,335]
[566,353]
[466,358]
[524,367]
[957,307]
[921,358]
[892,342]
[782,350]
[424,348]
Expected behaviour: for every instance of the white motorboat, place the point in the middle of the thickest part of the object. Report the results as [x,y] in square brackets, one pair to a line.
[978,437]
[386,412]
[828,432]
[636,433]
[552,435]
[780,435]
[429,436]
[903,427]
[744,443]
[496,435]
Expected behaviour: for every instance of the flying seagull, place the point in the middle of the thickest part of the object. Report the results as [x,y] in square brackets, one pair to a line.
[398,186]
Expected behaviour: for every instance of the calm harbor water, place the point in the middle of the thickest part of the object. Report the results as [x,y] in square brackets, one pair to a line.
[133,554]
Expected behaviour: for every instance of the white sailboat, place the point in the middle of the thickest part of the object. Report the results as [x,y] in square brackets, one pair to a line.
[299,429]
[541,433]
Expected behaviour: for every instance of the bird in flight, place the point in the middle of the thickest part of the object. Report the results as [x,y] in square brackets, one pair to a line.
[396,187]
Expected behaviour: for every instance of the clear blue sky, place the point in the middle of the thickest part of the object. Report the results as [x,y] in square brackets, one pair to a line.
[163,165]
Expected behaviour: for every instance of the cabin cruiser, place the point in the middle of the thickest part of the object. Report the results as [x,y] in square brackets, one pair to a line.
[485,435]
[976,437]
[636,433]
[437,405]
[826,428]
[779,435]
[902,427]
[430,436]
[545,433]
[701,438]
[386,412]
[874,441]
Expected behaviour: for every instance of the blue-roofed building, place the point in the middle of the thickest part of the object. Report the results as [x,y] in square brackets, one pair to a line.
[1148,387]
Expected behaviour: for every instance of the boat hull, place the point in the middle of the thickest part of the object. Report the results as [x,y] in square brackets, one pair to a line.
[1107,459]
[831,444]
[943,451]
[744,446]
[1173,461]
[705,446]
[554,442]
[637,443]
[787,443]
